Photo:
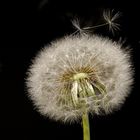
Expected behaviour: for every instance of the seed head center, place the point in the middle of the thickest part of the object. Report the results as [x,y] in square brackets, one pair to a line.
[79,76]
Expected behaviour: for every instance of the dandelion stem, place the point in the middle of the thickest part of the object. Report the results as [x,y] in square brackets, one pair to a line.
[86,127]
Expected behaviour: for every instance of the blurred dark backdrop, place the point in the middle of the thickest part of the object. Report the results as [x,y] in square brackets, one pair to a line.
[26,26]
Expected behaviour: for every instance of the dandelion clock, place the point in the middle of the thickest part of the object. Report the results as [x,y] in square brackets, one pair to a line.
[80,74]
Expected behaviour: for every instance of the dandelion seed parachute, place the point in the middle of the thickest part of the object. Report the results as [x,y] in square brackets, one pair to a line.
[79,72]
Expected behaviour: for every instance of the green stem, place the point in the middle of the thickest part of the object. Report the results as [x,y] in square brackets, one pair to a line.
[86,128]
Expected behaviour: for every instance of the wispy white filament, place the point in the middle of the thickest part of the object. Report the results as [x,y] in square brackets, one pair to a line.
[110,20]
[65,99]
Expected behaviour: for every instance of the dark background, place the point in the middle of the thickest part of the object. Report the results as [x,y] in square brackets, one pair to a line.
[26,26]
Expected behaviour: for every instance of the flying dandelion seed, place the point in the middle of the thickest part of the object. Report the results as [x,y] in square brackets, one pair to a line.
[80,74]
[111,19]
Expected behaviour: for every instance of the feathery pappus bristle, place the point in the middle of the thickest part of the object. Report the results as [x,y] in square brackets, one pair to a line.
[111,19]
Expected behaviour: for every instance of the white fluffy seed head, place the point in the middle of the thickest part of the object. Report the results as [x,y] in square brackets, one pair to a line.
[77,73]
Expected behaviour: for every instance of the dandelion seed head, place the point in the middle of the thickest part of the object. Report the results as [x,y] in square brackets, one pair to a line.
[79,72]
